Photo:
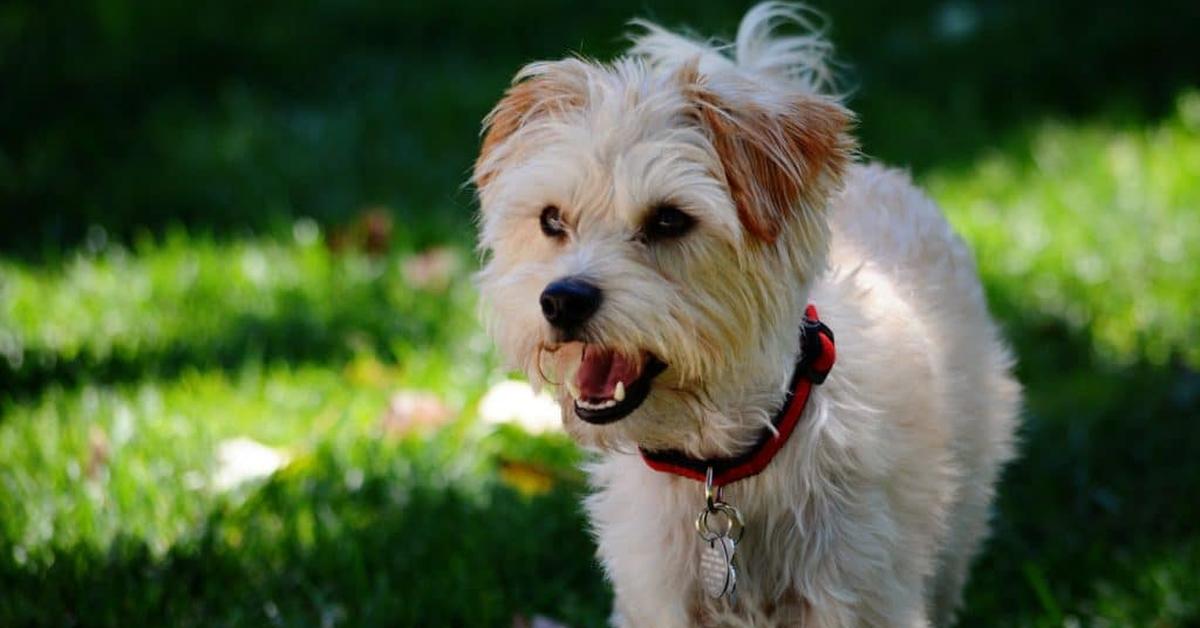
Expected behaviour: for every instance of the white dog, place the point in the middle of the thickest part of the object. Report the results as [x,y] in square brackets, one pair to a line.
[655,229]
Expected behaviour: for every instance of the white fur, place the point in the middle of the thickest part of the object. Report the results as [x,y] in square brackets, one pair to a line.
[871,513]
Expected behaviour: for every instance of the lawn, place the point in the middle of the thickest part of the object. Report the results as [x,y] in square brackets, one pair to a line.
[307,294]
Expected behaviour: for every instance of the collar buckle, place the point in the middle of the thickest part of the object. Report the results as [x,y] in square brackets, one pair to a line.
[817,349]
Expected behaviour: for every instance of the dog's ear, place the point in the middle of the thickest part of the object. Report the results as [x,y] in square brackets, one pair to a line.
[539,89]
[779,154]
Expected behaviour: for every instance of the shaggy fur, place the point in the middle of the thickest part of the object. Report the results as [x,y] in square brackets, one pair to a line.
[871,513]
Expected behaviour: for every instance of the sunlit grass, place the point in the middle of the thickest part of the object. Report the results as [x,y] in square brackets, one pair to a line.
[1098,224]
[192,300]
[111,510]
[137,460]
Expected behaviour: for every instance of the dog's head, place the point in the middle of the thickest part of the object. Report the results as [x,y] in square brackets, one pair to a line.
[650,226]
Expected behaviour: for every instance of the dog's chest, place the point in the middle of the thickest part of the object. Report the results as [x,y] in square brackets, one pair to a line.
[646,527]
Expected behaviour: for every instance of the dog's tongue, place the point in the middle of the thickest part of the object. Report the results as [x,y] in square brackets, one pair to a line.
[601,369]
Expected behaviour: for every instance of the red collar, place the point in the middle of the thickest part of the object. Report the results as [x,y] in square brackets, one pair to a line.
[816,359]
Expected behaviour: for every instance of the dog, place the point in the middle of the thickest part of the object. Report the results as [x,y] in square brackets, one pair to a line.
[781,354]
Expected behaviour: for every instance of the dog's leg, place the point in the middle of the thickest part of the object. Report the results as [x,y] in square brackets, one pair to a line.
[645,538]
[862,561]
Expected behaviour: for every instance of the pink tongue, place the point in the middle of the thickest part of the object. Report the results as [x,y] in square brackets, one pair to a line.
[600,371]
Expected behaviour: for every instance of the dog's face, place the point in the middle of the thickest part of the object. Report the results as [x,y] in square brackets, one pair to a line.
[647,231]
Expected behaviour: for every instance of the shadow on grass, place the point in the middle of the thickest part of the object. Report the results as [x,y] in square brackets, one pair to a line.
[309,550]
[1099,509]
[232,117]
[298,331]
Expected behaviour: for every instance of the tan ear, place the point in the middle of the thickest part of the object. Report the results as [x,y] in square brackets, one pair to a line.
[539,89]
[776,157]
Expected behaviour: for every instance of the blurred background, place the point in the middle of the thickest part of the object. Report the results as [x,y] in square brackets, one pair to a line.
[242,380]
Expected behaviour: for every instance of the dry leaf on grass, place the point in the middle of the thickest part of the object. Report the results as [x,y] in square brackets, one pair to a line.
[431,269]
[537,621]
[409,410]
[528,479]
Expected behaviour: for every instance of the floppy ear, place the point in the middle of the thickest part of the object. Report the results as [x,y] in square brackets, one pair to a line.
[778,156]
[538,89]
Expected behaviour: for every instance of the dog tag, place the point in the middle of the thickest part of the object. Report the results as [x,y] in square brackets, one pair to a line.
[720,527]
[717,575]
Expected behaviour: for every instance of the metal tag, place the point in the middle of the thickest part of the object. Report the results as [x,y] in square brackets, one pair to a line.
[717,574]
[720,527]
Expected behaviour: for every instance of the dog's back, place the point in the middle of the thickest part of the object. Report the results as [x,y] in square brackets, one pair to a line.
[887,231]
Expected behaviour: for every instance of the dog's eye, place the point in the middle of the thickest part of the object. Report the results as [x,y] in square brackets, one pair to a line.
[551,221]
[667,221]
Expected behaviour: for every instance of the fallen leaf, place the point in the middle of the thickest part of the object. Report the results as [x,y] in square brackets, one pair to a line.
[537,621]
[528,479]
[431,269]
[409,410]
[370,231]
[98,451]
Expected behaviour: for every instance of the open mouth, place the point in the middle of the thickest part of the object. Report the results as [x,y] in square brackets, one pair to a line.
[608,385]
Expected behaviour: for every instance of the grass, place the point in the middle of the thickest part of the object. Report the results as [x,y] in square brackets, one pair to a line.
[367,524]
[1095,224]
[194,302]
[1081,233]
[147,116]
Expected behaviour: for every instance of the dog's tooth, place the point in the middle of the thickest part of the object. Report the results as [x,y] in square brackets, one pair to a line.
[619,391]
[573,390]
[599,405]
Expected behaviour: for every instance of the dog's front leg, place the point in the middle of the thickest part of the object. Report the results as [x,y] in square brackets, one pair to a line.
[646,540]
[646,605]
[862,567]
[632,613]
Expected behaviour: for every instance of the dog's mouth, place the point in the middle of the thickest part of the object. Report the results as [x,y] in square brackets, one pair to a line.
[607,385]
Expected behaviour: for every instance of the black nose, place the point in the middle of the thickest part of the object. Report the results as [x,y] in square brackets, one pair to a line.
[569,302]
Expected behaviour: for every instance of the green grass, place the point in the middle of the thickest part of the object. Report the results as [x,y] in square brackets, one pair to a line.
[118,522]
[1095,224]
[1083,234]
[187,302]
